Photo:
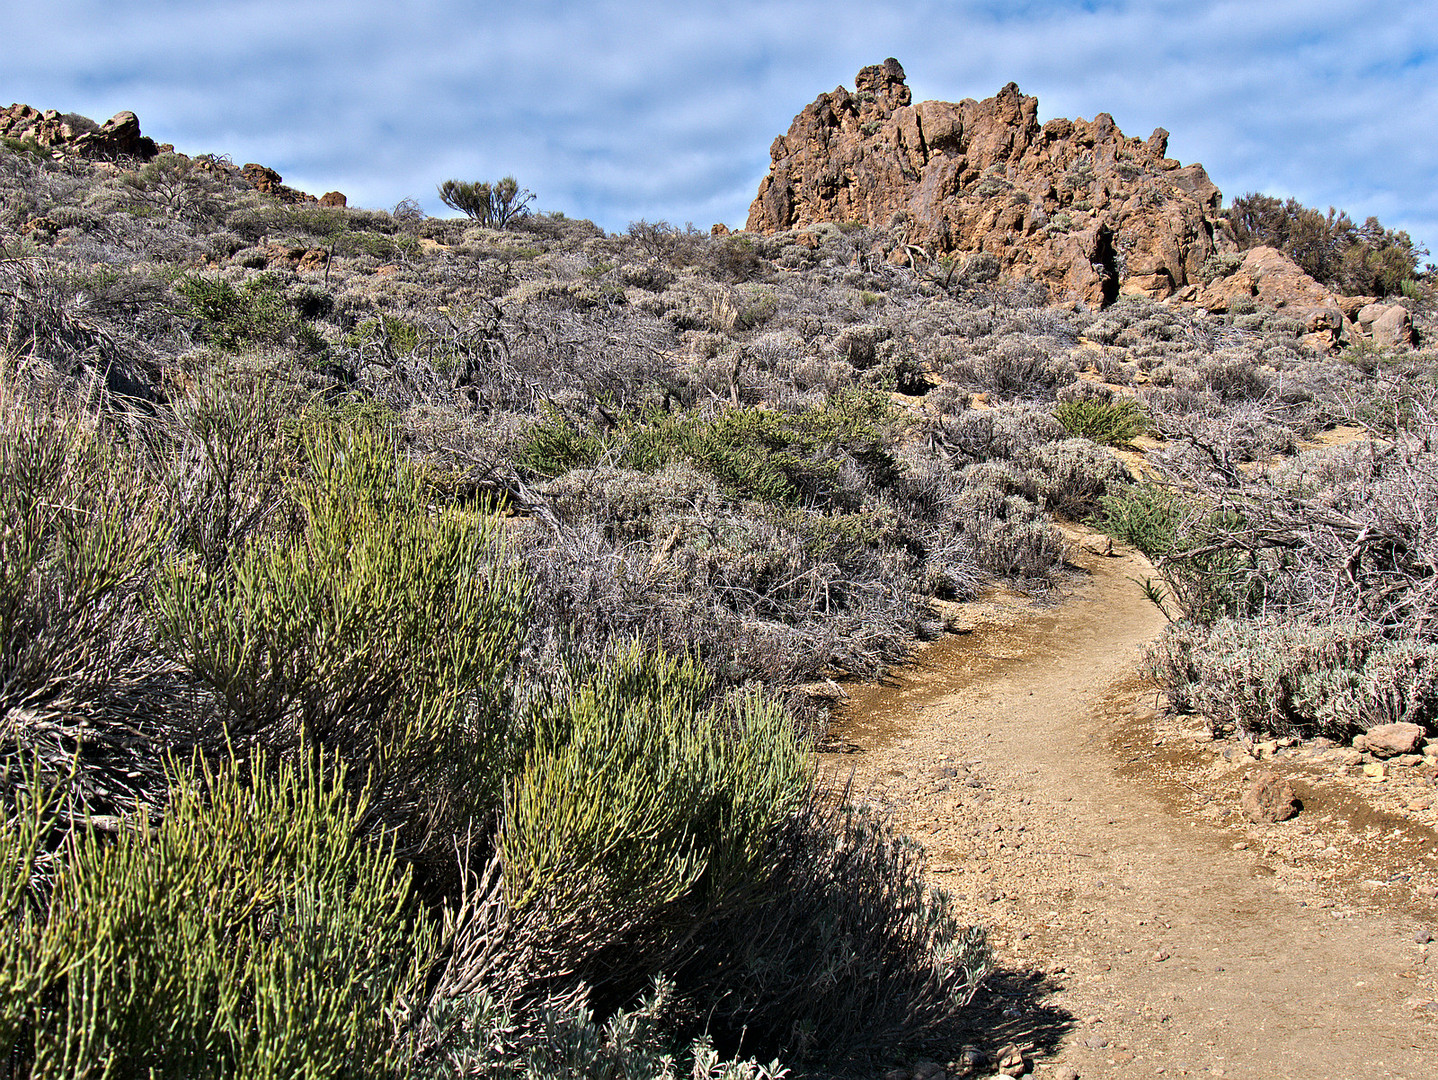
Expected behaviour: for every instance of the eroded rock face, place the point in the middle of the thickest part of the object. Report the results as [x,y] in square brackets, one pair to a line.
[1076,204]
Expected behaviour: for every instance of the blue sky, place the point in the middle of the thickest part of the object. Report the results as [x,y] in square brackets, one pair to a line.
[616,111]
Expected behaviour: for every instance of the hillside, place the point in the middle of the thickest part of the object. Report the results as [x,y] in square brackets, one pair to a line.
[452,609]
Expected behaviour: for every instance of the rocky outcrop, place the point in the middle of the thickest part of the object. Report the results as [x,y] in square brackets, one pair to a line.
[119,138]
[1270,279]
[64,135]
[1075,204]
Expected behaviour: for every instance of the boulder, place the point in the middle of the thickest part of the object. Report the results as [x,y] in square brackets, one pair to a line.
[1390,740]
[333,199]
[1074,204]
[1386,324]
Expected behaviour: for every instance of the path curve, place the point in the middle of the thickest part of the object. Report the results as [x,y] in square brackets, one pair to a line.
[1132,938]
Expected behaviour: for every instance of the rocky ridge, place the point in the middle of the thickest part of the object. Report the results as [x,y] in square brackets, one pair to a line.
[1075,204]
[119,139]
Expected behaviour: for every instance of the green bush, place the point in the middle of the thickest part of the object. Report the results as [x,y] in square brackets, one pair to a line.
[79,543]
[1112,423]
[1177,532]
[257,313]
[637,794]
[251,932]
[382,630]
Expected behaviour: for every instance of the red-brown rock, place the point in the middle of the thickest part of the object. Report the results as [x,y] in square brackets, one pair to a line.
[1075,204]
[118,137]
[1269,798]
[1390,740]
[333,199]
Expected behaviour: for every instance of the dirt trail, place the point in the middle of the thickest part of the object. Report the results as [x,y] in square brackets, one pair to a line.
[1139,929]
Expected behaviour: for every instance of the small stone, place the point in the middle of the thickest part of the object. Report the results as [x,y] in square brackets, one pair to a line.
[928,1070]
[1095,1042]
[1270,798]
[1066,1072]
[1011,1061]
[1407,761]
[1423,937]
[1160,956]
[897,1074]
[1360,743]
[1375,771]
[1265,749]
[1428,891]
[972,1058]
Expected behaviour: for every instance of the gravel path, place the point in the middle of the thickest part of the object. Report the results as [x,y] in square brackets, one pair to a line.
[1142,927]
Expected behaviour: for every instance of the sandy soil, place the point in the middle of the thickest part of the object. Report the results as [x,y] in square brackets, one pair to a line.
[1142,926]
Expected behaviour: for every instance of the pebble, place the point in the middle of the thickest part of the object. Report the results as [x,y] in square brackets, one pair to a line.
[1160,956]
[1375,770]
[1095,1042]
[1423,937]
[1066,1072]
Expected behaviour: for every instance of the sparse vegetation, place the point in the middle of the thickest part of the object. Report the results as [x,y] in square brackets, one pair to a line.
[460,586]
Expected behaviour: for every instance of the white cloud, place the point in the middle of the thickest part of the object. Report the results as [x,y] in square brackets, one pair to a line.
[622,110]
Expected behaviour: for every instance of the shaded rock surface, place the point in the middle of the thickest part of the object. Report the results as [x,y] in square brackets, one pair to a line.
[1073,203]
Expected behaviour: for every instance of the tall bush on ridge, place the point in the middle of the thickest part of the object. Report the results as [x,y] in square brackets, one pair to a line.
[495,204]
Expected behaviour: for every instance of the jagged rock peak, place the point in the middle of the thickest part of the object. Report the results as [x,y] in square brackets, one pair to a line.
[1073,203]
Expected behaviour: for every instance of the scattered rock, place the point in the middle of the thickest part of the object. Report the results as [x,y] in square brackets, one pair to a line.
[1160,956]
[1095,1042]
[1390,740]
[1423,937]
[928,1070]
[1066,1072]
[1375,771]
[1270,798]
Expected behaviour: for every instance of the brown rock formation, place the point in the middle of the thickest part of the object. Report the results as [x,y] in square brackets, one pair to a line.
[266,181]
[1075,204]
[117,137]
